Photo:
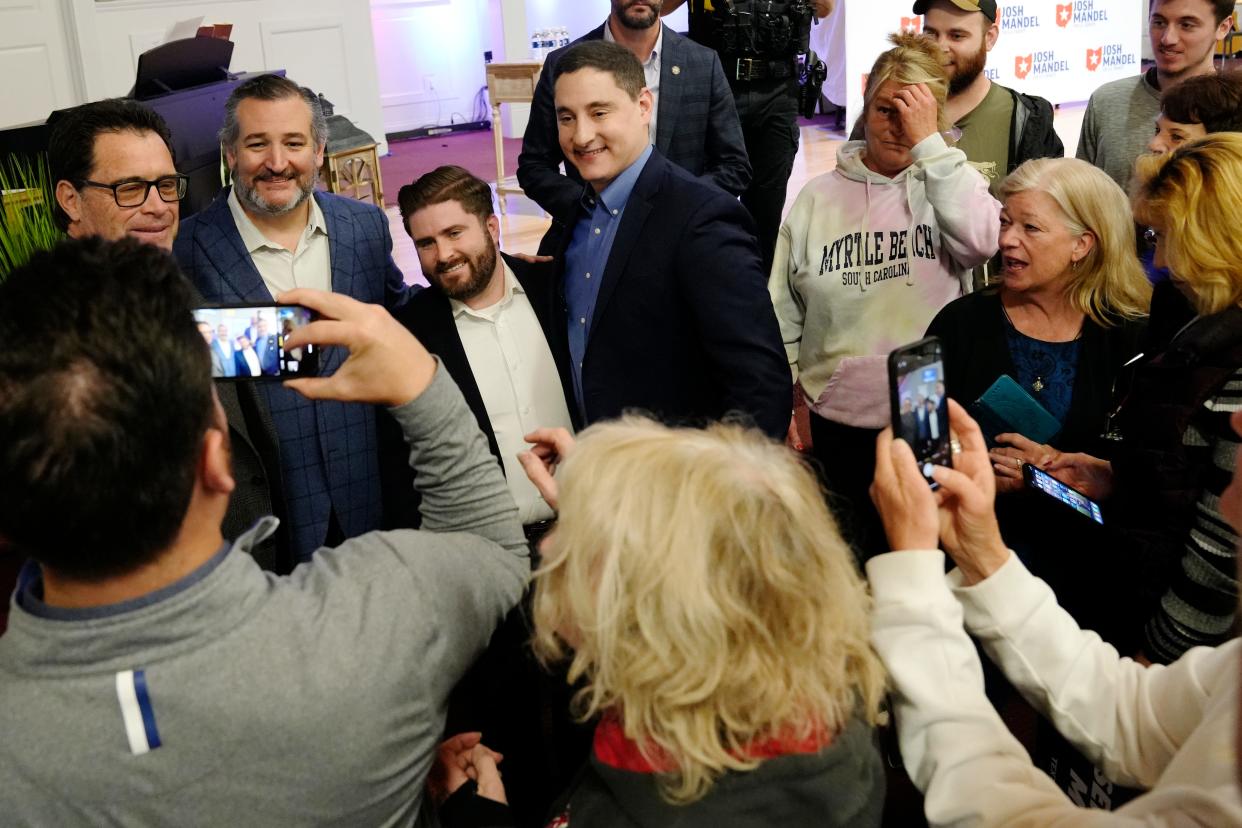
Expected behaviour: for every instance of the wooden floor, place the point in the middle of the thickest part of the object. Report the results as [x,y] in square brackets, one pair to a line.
[524,225]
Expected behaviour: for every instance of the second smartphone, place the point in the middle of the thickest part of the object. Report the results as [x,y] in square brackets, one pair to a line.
[920,405]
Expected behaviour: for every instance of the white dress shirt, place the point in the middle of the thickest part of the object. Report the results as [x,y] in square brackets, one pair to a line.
[518,380]
[651,70]
[310,266]
[252,359]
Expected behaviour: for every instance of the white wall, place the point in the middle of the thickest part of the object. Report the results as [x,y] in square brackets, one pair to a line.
[323,44]
[39,69]
[430,52]
[583,15]
[430,60]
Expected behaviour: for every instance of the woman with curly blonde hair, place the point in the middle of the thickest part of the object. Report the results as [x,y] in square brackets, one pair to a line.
[715,625]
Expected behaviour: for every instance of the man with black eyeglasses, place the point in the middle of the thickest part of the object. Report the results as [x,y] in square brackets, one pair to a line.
[114,175]
[114,172]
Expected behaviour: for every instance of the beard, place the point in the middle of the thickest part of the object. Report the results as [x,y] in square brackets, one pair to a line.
[648,13]
[479,270]
[248,192]
[964,74]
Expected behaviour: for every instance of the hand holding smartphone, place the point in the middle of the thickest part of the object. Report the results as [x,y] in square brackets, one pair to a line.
[920,405]
[246,341]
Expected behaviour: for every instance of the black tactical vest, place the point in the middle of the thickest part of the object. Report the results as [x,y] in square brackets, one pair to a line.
[768,29]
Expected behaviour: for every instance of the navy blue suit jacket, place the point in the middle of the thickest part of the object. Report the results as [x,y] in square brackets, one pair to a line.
[697,126]
[325,441]
[683,325]
[241,367]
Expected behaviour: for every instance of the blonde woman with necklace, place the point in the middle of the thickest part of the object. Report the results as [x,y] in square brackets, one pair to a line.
[1065,318]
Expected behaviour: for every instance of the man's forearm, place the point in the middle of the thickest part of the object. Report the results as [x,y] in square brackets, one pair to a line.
[462,486]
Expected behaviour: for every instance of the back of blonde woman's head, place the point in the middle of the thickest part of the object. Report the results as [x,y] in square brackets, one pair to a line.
[1194,195]
[707,595]
[1109,284]
[913,59]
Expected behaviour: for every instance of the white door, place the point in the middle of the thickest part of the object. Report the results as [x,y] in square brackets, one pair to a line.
[38,68]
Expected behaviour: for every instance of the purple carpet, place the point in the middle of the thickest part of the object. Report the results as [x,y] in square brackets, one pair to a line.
[407,160]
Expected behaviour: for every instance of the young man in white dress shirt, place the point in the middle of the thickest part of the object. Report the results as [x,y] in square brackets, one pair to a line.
[487,316]
[484,316]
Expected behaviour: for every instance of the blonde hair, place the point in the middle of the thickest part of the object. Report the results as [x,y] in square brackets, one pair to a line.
[1194,193]
[707,596]
[913,59]
[1108,284]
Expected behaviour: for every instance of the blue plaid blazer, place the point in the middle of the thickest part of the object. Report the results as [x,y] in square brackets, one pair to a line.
[328,450]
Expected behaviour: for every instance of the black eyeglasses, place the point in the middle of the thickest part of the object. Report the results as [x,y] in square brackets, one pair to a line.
[134,193]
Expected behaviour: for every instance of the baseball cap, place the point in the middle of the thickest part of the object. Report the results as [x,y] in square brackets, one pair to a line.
[988,7]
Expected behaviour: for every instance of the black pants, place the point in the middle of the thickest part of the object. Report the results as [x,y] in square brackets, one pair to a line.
[768,111]
[846,459]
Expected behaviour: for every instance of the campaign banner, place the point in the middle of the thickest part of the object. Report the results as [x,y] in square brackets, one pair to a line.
[1059,51]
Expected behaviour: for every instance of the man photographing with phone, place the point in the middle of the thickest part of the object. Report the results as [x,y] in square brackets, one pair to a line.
[151,672]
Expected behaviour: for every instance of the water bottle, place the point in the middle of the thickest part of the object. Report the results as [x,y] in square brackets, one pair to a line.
[564,39]
[549,42]
[536,47]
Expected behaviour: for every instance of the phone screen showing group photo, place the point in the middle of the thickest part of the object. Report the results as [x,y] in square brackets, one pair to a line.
[248,342]
[922,409]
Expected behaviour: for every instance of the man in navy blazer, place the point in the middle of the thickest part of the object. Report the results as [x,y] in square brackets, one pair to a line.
[266,348]
[663,293]
[696,123]
[268,233]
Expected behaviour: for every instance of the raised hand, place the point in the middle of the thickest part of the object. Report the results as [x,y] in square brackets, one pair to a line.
[917,111]
[967,495]
[550,447]
[386,364]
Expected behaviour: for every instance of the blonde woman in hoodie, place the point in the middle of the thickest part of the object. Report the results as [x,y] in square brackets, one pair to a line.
[868,255]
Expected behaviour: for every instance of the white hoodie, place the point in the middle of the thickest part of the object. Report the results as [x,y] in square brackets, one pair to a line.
[863,263]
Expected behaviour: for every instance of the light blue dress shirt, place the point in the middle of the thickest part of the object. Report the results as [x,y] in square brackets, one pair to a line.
[587,256]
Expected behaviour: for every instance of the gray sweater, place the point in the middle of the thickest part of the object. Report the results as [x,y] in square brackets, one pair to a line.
[1120,120]
[316,698]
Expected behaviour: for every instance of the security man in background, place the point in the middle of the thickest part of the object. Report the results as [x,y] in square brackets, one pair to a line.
[759,43]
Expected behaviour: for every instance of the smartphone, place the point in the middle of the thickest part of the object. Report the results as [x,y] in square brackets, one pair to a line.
[920,406]
[247,341]
[1041,481]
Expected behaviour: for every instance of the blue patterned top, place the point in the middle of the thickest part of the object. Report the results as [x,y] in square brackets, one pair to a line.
[1049,365]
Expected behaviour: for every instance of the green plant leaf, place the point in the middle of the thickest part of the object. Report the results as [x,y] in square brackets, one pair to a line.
[29,228]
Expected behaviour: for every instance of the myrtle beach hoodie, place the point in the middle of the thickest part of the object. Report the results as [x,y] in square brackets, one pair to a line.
[863,263]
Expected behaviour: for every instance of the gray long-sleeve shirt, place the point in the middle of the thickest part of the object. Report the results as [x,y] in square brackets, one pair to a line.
[316,698]
[1120,120]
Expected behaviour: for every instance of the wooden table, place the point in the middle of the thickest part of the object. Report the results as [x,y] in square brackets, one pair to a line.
[16,200]
[508,83]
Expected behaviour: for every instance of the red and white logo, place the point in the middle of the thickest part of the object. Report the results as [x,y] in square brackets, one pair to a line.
[912,25]
[1065,13]
[1094,56]
[1022,66]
